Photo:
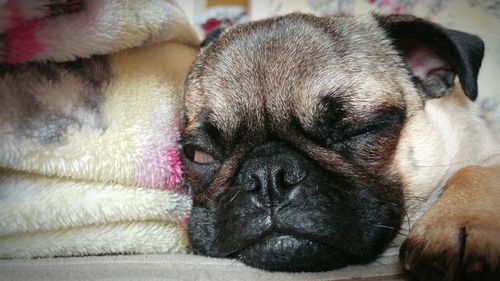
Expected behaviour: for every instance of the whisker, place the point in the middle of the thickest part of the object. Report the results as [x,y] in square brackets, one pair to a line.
[415,198]
[384,226]
[408,221]
[232,198]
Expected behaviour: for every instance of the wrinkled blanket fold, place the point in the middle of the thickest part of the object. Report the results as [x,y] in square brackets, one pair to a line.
[110,118]
[53,217]
[89,127]
[64,30]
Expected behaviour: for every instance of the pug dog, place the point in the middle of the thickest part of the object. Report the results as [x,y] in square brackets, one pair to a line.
[310,142]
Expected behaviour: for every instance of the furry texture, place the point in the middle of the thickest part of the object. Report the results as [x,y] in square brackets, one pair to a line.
[257,96]
[446,152]
[122,131]
[89,159]
[65,30]
[55,217]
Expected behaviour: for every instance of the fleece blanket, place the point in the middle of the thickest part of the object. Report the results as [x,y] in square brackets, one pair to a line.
[90,97]
[62,30]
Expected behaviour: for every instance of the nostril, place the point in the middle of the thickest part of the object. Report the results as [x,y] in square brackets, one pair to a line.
[279,178]
[252,184]
[272,175]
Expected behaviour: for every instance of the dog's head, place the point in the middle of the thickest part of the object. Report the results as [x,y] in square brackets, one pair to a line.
[293,131]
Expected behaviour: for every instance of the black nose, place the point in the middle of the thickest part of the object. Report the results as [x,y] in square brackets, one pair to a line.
[272,172]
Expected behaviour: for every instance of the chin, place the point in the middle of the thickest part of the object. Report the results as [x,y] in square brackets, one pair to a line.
[314,232]
[291,254]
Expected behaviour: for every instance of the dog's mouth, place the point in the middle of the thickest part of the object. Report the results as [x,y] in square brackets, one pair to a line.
[297,238]
[291,253]
[325,222]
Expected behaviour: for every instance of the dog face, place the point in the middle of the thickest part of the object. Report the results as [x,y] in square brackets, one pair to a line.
[297,130]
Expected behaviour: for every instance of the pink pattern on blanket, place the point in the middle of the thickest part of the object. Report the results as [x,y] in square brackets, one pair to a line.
[174,159]
[185,221]
[19,12]
[22,42]
[15,16]
[64,30]
[160,167]
[160,161]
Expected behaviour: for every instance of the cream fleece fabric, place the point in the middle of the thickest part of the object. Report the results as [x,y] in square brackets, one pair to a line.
[52,217]
[64,30]
[89,153]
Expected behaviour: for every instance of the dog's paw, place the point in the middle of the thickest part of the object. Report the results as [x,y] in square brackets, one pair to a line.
[443,252]
[459,237]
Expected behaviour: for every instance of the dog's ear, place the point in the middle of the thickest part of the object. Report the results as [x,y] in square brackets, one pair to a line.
[434,55]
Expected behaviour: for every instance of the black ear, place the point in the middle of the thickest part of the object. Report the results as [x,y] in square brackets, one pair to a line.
[213,35]
[434,55]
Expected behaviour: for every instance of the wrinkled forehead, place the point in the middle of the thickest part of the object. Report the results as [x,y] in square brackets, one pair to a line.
[288,69]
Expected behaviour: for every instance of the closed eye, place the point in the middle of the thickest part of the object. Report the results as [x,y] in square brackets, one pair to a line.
[358,133]
[385,122]
[197,156]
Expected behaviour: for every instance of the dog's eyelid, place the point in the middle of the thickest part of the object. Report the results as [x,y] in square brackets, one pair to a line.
[201,157]
[184,141]
[203,144]
[198,155]
[385,119]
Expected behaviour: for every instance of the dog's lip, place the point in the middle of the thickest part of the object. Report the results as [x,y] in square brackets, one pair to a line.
[288,252]
[265,238]
[269,236]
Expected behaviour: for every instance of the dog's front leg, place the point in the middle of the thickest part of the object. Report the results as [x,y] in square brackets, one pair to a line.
[458,238]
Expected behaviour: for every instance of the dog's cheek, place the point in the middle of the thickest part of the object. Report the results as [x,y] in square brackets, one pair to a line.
[197,180]
[420,159]
[195,188]
[201,231]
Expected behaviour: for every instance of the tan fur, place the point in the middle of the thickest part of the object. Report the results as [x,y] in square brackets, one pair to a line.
[462,227]
[322,73]
[440,137]
[438,140]
[459,232]
[281,91]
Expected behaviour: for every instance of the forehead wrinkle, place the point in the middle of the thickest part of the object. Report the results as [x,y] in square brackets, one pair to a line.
[234,114]
[357,97]
[249,64]
[236,82]
[311,106]
[372,94]
[293,89]
[247,74]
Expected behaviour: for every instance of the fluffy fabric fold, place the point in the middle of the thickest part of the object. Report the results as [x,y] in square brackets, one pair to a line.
[42,217]
[89,128]
[144,237]
[108,118]
[31,204]
[69,29]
